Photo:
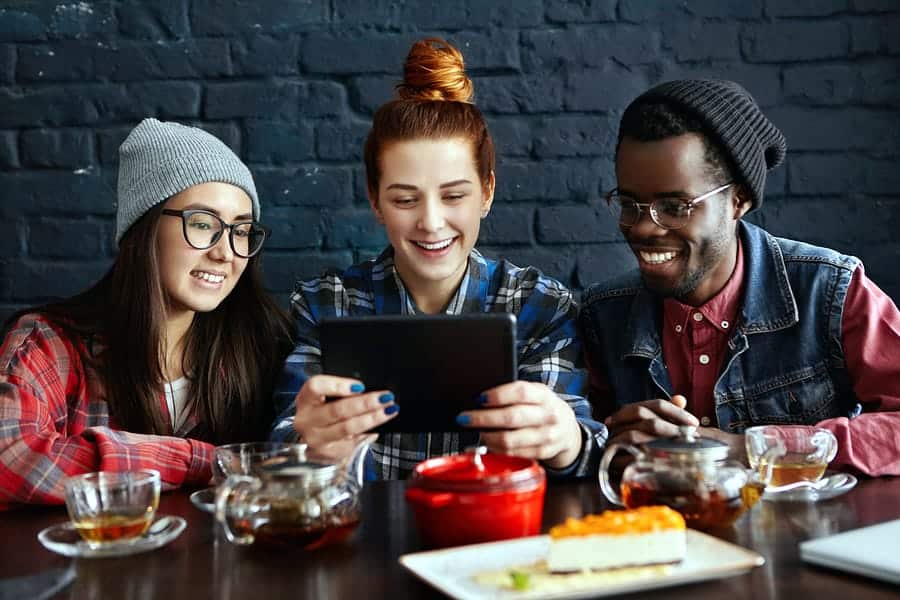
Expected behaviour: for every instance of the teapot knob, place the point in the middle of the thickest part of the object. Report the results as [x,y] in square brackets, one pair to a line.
[477,452]
[688,432]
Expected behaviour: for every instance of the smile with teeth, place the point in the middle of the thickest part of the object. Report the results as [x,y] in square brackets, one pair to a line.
[434,245]
[656,258]
[206,276]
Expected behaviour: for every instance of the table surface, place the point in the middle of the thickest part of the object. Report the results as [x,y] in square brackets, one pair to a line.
[202,564]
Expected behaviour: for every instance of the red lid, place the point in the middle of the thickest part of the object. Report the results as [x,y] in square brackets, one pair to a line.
[477,471]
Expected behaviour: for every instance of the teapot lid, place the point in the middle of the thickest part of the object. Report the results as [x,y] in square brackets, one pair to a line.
[687,445]
[291,468]
[477,471]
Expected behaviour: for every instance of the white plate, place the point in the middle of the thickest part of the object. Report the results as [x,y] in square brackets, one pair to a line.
[453,570]
[838,483]
[64,539]
[205,500]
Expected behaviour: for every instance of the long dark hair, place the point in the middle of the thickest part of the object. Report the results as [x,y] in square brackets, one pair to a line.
[233,354]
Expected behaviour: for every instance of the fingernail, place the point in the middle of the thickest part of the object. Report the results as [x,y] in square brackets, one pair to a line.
[463,419]
[357,388]
[391,409]
[385,398]
[482,399]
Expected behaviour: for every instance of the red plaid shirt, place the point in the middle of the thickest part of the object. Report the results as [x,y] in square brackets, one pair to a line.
[54,422]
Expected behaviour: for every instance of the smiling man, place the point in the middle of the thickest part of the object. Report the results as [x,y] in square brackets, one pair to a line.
[725,326]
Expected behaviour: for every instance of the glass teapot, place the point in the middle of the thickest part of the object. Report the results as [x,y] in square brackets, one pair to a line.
[295,500]
[689,473]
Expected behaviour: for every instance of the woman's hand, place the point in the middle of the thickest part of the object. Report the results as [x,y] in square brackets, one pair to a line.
[334,429]
[527,419]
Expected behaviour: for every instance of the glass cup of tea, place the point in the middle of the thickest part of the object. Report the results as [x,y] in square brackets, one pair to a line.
[109,507]
[801,452]
[246,457]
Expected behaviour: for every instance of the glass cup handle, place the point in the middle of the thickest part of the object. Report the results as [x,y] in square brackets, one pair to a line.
[768,459]
[231,493]
[603,474]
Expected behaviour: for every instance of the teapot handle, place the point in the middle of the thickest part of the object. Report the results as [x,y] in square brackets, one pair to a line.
[611,493]
[231,505]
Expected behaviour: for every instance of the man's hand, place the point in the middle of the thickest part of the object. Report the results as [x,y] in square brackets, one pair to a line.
[528,419]
[642,422]
[736,446]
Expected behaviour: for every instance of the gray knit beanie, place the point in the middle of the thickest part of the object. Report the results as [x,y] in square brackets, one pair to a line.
[160,159]
[737,124]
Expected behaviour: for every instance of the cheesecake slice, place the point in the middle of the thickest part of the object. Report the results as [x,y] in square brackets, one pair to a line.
[649,535]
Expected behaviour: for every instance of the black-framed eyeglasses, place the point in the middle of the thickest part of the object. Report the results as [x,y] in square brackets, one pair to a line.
[668,213]
[203,229]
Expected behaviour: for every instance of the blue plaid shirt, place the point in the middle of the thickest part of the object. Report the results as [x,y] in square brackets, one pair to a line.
[549,350]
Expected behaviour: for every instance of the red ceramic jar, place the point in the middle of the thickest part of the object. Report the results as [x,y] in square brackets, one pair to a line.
[470,498]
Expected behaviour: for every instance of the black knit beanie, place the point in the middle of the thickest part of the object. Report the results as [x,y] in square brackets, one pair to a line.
[752,142]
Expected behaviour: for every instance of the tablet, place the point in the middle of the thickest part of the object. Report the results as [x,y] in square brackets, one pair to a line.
[436,365]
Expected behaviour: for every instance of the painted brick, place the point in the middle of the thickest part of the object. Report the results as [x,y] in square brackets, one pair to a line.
[7,63]
[269,100]
[348,54]
[165,99]
[838,221]
[601,262]
[212,17]
[789,41]
[265,55]
[875,6]
[23,280]
[354,228]
[580,11]
[512,136]
[641,10]
[807,8]
[189,59]
[21,26]
[511,94]
[575,224]
[463,13]
[550,50]
[9,149]
[322,99]
[227,132]
[592,135]
[558,263]
[875,36]
[161,19]
[108,142]
[817,174]
[293,227]
[11,239]
[62,61]
[881,83]
[551,182]
[822,84]
[57,148]
[507,225]
[69,238]
[283,270]
[278,143]
[368,93]
[880,176]
[611,88]
[52,193]
[874,131]
[494,49]
[82,19]
[776,180]
[702,41]
[366,12]
[305,186]
[71,105]
[337,140]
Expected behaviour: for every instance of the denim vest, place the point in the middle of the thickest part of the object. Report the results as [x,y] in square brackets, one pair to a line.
[784,362]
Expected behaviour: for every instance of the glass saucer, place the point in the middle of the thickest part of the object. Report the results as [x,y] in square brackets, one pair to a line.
[205,500]
[64,539]
[838,483]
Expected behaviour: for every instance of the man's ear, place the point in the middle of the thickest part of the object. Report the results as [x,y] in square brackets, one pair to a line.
[741,201]
[373,202]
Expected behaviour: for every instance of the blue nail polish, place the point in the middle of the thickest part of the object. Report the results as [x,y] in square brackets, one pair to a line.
[463,419]
[391,409]
[385,398]
[357,388]
[482,399]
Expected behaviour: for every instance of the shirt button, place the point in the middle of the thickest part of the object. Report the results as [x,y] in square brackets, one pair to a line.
[724,324]
[705,421]
[704,359]
[698,317]
[678,328]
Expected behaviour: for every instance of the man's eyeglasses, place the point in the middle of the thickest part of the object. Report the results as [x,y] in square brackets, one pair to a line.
[202,229]
[668,213]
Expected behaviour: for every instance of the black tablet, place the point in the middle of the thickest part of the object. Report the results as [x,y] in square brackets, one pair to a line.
[436,365]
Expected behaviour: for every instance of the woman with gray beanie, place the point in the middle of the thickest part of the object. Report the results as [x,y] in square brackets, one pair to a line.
[173,350]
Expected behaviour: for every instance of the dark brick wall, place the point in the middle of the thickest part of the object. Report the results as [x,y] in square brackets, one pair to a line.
[291,85]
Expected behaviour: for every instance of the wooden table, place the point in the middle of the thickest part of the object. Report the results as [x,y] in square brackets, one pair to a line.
[201,564]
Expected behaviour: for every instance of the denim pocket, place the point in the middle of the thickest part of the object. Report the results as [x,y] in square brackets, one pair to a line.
[802,397]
